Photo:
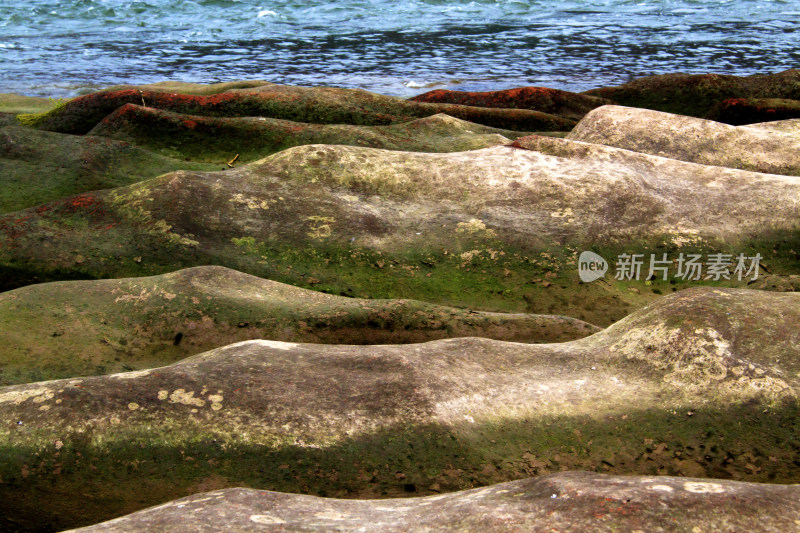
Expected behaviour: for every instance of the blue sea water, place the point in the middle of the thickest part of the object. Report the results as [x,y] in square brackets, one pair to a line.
[401,47]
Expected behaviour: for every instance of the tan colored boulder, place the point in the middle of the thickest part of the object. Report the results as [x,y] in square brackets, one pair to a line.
[690,139]
[784,126]
[384,199]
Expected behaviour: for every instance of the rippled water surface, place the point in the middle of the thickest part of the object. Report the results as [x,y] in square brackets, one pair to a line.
[400,47]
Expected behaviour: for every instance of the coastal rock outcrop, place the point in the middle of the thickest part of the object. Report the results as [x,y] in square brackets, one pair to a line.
[697,94]
[319,105]
[569,501]
[78,328]
[219,139]
[498,229]
[41,166]
[749,110]
[702,383]
[691,139]
[554,101]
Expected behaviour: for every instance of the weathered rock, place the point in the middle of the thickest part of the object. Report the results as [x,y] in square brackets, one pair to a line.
[783,126]
[199,89]
[15,103]
[568,501]
[769,282]
[702,383]
[220,139]
[750,110]
[495,229]
[319,105]
[691,139]
[42,166]
[79,328]
[552,101]
[697,94]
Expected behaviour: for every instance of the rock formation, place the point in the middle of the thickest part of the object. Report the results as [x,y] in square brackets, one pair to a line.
[697,94]
[562,103]
[691,139]
[78,328]
[570,501]
[702,383]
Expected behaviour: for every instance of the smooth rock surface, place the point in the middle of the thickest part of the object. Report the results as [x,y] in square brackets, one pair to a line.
[496,229]
[79,328]
[691,139]
[571,502]
[784,126]
[702,383]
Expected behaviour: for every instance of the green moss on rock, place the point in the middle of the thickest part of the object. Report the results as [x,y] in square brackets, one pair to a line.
[696,94]
[39,166]
[219,140]
[653,395]
[495,229]
[320,105]
[69,329]
[752,110]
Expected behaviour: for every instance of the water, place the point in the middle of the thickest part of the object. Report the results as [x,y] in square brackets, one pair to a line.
[400,47]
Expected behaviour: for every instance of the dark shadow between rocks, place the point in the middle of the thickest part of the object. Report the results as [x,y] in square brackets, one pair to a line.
[84,482]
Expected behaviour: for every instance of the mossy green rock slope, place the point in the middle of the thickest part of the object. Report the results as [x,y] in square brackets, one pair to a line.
[691,139]
[702,383]
[42,166]
[216,139]
[68,329]
[498,229]
[569,502]
[199,89]
[321,105]
[697,94]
